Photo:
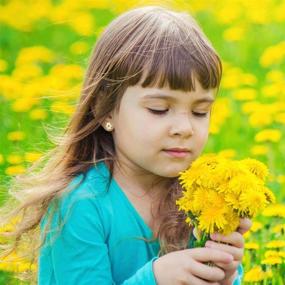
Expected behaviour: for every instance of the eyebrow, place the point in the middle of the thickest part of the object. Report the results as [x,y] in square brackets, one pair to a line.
[170,98]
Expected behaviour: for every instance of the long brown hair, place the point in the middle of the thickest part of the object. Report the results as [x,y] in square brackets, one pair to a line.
[152,45]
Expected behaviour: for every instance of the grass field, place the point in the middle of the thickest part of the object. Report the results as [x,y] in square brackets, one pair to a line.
[44,50]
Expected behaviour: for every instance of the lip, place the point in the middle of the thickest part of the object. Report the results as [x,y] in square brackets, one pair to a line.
[177,152]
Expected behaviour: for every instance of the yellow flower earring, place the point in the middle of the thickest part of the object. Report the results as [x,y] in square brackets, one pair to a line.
[108,127]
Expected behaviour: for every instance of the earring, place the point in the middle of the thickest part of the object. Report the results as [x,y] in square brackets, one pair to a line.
[108,126]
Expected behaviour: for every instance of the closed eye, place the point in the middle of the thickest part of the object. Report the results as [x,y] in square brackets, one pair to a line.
[157,112]
[200,114]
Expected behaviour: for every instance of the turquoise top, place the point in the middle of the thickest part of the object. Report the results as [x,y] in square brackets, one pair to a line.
[99,242]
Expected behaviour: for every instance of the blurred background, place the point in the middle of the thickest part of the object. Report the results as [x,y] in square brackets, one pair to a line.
[44,50]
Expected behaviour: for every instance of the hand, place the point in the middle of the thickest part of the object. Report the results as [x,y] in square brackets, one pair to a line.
[233,244]
[186,267]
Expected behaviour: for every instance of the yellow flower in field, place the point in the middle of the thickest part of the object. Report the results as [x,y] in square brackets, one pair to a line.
[26,72]
[38,114]
[250,107]
[280,118]
[1,158]
[279,229]
[32,156]
[79,47]
[245,94]
[220,112]
[14,159]
[275,244]
[233,34]
[251,245]
[260,119]
[228,153]
[83,23]
[16,136]
[24,104]
[272,260]
[3,65]
[281,179]
[259,150]
[273,55]
[35,54]
[275,210]
[248,79]
[271,253]
[256,274]
[256,226]
[275,76]
[14,170]
[62,107]
[268,135]
[273,90]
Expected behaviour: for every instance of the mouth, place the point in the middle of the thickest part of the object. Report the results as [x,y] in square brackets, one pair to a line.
[180,153]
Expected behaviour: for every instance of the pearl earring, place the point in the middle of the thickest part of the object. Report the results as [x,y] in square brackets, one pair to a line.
[108,126]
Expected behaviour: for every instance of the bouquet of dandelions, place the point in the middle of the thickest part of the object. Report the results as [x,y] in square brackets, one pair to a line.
[217,192]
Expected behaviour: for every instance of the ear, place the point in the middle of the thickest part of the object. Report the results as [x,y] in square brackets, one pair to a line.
[108,123]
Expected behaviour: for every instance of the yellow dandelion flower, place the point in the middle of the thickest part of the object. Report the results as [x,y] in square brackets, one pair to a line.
[14,170]
[256,167]
[16,136]
[275,244]
[271,253]
[79,47]
[3,65]
[280,118]
[32,156]
[259,150]
[270,135]
[256,274]
[212,219]
[245,94]
[275,210]
[251,202]
[1,158]
[251,245]
[279,229]
[256,226]
[38,114]
[228,153]
[14,159]
[272,260]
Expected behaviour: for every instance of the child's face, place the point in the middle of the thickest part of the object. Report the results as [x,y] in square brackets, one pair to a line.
[142,137]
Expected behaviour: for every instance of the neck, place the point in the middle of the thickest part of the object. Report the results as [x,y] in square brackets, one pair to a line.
[140,183]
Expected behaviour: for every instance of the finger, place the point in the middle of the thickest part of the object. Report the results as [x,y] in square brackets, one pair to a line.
[209,273]
[235,239]
[229,266]
[198,281]
[210,254]
[244,226]
[236,252]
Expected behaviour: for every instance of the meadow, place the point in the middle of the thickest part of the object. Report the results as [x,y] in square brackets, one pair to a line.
[44,50]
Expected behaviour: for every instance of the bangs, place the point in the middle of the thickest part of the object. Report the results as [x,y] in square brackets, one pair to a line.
[173,63]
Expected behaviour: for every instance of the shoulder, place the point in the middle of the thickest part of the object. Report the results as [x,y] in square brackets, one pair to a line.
[86,197]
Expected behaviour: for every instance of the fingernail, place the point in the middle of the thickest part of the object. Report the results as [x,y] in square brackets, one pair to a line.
[214,236]
[208,243]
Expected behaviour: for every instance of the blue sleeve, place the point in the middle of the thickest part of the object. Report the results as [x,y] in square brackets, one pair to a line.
[79,252]
[144,276]
[238,279]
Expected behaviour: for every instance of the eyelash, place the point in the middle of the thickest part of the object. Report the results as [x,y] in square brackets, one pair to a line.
[162,112]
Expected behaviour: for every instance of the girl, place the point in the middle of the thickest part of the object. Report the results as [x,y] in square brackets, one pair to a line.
[105,201]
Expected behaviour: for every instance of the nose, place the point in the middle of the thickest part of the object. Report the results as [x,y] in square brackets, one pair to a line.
[181,125]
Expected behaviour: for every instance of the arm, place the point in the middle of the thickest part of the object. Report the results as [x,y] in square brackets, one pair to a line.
[79,253]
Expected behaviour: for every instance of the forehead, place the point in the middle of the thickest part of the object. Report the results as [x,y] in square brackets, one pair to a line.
[199,95]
